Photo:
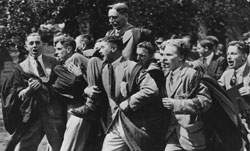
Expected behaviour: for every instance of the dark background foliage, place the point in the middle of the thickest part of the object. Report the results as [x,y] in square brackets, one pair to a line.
[226,19]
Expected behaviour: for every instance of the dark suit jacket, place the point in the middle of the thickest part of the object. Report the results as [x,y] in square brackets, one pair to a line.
[41,100]
[145,117]
[217,66]
[131,36]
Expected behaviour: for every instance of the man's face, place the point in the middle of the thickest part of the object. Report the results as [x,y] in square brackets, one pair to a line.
[142,55]
[34,45]
[235,58]
[201,50]
[61,52]
[116,19]
[106,51]
[171,59]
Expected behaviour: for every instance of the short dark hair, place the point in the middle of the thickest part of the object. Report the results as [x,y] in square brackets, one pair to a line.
[241,45]
[180,45]
[122,8]
[207,43]
[68,41]
[214,39]
[114,40]
[147,45]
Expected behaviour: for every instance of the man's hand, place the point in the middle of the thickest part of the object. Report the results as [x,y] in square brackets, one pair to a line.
[123,90]
[33,85]
[76,70]
[92,92]
[244,90]
[168,103]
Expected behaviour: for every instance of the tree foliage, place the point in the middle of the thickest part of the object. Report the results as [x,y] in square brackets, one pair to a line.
[226,19]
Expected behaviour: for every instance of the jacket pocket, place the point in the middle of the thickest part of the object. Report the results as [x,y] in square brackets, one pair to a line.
[192,136]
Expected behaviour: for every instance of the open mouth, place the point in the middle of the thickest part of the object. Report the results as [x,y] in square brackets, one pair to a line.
[230,63]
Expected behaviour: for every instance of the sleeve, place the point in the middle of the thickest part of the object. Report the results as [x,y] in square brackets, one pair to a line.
[147,91]
[221,81]
[198,101]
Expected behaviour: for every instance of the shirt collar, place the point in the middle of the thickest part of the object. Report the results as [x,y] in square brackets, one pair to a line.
[39,58]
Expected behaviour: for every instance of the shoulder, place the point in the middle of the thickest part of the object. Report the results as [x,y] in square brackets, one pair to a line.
[50,59]
[189,71]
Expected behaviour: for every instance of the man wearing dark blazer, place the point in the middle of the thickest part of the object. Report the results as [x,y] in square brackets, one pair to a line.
[215,64]
[187,99]
[134,114]
[131,36]
[35,110]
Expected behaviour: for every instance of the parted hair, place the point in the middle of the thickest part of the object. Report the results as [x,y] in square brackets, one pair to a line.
[114,40]
[68,41]
[147,45]
[32,34]
[241,45]
[122,8]
[207,43]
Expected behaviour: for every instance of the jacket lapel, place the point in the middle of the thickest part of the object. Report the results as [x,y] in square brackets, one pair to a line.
[213,65]
[178,80]
[26,66]
[47,64]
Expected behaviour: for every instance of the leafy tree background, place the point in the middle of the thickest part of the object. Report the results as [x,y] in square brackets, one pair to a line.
[226,19]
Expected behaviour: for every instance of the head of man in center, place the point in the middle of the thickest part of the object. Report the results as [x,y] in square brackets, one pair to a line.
[111,48]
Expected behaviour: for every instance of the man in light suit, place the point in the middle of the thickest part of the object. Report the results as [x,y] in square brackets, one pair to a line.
[238,73]
[29,104]
[215,64]
[187,99]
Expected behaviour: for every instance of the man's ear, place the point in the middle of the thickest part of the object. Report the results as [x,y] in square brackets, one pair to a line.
[181,58]
[206,49]
[69,49]
[113,48]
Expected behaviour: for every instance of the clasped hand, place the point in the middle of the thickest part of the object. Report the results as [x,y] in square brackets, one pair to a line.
[168,103]
[33,85]
[244,91]
[92,91]
[75,69]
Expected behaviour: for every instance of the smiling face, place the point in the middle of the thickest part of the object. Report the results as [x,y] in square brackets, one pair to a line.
[235,57]
[34,45]
[171,58]
[116,19]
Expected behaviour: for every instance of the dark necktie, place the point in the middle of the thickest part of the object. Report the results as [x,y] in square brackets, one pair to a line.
[233,80]
[170,80]
[111,80]
[40,68]
[205,61]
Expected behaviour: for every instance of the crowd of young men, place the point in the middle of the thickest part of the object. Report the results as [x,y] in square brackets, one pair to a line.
[119,96]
